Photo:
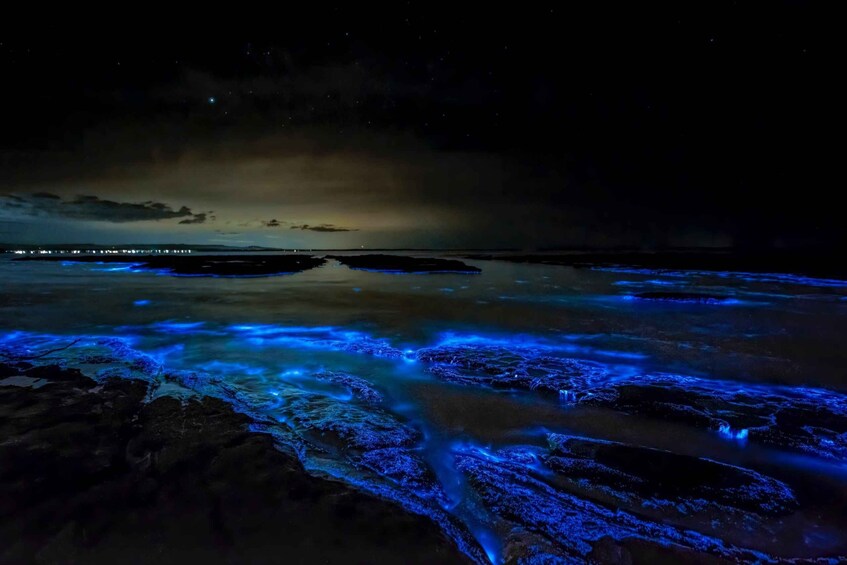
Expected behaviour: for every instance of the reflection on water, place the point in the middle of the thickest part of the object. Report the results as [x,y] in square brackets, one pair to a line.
[451,393]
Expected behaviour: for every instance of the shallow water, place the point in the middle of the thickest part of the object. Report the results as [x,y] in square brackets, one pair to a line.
[260,343]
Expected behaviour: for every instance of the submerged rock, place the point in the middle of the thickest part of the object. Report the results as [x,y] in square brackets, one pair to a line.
[100,357]
[404,264]
[813,421]
[512,368]
[372,449]
[666,485]
[360,388]
[344,425]
[573,528]
[202,265]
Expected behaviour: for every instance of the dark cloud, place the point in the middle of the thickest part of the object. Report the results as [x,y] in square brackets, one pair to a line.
[326,228]
[322,228]
[196,219]
[94,208]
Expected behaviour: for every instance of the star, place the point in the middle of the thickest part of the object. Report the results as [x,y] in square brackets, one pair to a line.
[212,100]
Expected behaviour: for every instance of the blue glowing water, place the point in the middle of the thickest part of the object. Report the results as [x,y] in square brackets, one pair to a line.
[450,394]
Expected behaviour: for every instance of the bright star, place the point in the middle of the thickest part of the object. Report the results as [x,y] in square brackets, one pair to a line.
[211,99]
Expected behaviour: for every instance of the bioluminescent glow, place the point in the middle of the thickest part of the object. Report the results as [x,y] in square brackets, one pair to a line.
[725,430]
[805,419]
[681,298]
[776,278]
[520,500]
[344,424]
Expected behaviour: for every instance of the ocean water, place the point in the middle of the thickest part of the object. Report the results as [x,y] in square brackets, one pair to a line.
[391,381]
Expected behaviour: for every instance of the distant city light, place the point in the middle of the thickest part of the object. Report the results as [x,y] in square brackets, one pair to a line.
[98,251]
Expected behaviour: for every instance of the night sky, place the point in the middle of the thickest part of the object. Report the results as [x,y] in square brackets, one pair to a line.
[534,125]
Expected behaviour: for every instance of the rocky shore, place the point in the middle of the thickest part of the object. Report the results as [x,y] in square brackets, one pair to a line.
[201,265]
[100,473]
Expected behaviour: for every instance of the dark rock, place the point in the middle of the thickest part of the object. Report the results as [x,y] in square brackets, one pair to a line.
[406,468]
[368,346]
[813,421]
[202,265]
[89,473]
[664,484]
[574,528]
[369,438]
[360,388]
[512,368]
[346,425]
[359,444]
[607,550]
[404,264]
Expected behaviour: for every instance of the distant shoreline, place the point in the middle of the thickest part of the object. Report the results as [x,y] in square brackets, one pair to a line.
[818,265]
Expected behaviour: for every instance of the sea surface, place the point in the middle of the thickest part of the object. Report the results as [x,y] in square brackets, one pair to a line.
[372,378]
